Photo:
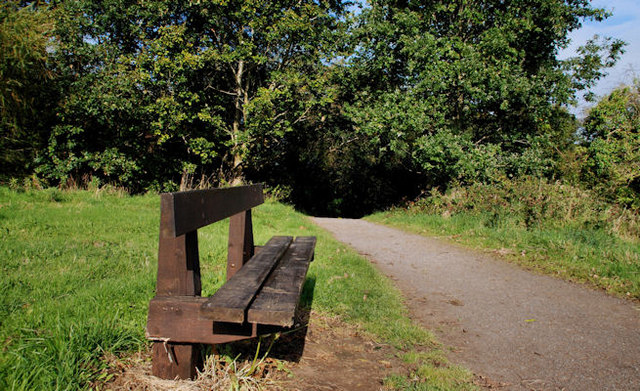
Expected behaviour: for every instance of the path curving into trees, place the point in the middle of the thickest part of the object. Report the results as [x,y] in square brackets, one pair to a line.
[523,330]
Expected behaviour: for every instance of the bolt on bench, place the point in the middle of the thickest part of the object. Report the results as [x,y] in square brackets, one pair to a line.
[263,284]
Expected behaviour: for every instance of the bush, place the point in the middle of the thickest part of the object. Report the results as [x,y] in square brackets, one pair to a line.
[447,158]
[612,130]
[533,203]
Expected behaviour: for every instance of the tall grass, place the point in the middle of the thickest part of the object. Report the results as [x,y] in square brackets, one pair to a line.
[79,268]
[548,226]
[77,273]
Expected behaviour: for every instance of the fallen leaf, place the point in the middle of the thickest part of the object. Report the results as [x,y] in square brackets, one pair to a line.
[386,364]
[503,251]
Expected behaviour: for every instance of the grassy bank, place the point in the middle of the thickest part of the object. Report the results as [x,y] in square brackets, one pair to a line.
[550,227]
[78,271]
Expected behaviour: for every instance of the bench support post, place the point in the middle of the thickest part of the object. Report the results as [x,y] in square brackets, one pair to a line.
[175,360]
[179,266]
[178,275]
[241,247]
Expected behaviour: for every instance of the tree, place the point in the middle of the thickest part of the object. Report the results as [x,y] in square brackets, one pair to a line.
[162,89]
[612,131]
[485,73]
[27,93]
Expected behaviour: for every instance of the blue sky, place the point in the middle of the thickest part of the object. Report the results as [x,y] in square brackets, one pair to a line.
[625,25]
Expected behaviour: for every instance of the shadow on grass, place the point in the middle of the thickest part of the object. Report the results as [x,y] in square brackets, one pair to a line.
[289,342]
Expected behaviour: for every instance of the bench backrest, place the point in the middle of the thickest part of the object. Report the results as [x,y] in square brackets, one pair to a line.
[182,213]
[187,211]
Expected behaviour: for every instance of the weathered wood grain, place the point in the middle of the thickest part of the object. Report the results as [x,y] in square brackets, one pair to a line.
[241,247]
[189,210]
[277,302]
[177,319]
[230,302]
[185,358]
[178,265]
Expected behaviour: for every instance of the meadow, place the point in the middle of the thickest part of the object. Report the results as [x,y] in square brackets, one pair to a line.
[78,271]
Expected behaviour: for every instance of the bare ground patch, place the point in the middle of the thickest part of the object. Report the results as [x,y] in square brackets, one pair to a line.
[327,355]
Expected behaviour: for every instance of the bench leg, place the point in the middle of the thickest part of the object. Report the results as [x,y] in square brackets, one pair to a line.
[173,360]
[241,246]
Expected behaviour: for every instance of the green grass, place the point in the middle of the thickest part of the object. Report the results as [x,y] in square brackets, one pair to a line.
[431,378]
[573,251]
[78,271]
[430,371]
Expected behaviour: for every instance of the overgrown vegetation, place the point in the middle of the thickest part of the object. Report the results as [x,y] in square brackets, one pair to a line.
[346,112]
[610,160]
[544,225]
[28,91]
[78,272]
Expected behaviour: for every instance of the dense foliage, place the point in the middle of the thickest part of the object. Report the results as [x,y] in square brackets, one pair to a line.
[343,112]
[27,94]
[161,89]
[612,162]
[468,88]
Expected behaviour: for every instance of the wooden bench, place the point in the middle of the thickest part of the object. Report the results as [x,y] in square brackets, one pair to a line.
[261,293]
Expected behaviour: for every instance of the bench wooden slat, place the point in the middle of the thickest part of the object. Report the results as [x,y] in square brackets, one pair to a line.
[177,318]
[190,210]
[277,302]
[230,302]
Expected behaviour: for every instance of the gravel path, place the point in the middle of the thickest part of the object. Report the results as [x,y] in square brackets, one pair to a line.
[523,330]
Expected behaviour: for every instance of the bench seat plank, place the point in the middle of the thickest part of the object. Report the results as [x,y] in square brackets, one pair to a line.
[230,302]
[278,300]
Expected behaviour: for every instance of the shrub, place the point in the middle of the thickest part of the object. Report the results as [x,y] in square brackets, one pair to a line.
[612,130]
[533,203]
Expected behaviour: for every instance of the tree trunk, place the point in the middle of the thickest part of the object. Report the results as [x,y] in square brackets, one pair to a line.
[238,125]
